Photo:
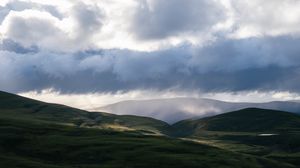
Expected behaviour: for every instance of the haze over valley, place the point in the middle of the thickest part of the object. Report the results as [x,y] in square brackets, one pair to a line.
[176,109]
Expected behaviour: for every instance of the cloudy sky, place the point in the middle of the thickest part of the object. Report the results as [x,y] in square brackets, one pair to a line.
[88,53]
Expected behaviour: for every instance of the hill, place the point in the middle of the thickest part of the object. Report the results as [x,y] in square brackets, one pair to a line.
[17,107]
[260,132]
[245,120]
[176,109]
[36,134]
[46,145]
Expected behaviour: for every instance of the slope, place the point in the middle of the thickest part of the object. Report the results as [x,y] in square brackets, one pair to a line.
[37,134]
[260,132]
[245,120]
[17,107]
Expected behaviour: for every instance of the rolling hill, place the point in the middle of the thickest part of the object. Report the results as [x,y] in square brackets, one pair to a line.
[245,120]
[261,132]
[37,134]
[176,109]
[40,145]
[17,107]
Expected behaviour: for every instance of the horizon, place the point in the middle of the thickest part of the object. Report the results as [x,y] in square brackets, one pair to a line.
[174,110]
[95,100]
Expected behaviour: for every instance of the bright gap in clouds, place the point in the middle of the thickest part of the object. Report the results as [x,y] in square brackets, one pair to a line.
[95,100]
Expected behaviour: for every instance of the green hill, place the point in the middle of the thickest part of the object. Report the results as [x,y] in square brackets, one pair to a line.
[34,134]
[261,132]
[17,107]
[46,145]
[38,134]
[246,120]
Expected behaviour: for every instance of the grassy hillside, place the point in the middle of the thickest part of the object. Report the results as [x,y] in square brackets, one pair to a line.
[16,106]
[35,144]
[246,120]
[38,134]
[260,132]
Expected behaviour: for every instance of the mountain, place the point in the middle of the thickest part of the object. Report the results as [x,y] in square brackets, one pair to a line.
[185,108]
[41,135]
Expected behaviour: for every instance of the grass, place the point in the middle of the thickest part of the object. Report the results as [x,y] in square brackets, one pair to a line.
[36,144]
[35,134]
[245,120]
[284,148]
[16,106]
[239,132]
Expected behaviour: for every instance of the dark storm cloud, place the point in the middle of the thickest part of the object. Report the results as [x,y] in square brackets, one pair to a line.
[233,55]
[270,63]
[158,19]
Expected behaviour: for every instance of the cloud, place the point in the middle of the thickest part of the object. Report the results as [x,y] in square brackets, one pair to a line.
[242,54]
[260,18]
[12,46]
[39,27]
[120,46]
[48,29]
[107,24]
[87,20]
[156,19]
[15,5]
[145,25]
[224,65]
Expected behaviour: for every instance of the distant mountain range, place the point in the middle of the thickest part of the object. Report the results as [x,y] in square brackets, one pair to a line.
[176,109]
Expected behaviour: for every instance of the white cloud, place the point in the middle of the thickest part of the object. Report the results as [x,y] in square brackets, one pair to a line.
[261,17]
[32,27]
[254,96]
[4,2]
[144,25]
[37,27]
[104,24]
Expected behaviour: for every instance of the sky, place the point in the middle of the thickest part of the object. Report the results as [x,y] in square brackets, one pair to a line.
[88,53]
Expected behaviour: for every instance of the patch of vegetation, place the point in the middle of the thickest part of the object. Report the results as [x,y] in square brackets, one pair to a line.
[37,134]
[35,144]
